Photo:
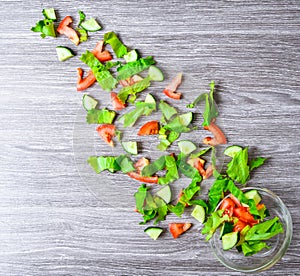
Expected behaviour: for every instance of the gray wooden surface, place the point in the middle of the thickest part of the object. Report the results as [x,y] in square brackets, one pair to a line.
[50,222]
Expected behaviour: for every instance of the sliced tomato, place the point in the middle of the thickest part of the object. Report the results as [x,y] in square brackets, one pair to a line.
[150,128]
[141,163]
[177,229]
[219,137]
[64,29]
[107,132]
[227,205]
[260,206]
[239,226]
[172,94]
[242,214]
[236,201]
[171,89]
[101,55]
[145,179]
[84,83]
[117,104]
[208,172]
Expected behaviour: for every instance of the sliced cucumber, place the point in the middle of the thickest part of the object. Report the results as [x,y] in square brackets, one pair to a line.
[131,56]
[155,73]
[186,146]
[186,118]
[88,102]
[153,232]
[63,53]
[150,99]
[90,25]
[199,213]
[229,240]
[49,14]
[131,147]
[226,228]
[253,194]
[165,194]
[232,150]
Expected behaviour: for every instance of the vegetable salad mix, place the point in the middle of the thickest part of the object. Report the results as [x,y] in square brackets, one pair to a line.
[126,75]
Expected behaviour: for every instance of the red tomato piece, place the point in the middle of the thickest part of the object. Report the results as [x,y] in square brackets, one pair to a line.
[150,128]
[172,94]
[239,226]
[227,205]
[242,214]
[146,179]
[107,132]
[117,104]
[177,229]
[141,163]
[64,29]
[219,137]
[84,83]
[236,201]
[171,88]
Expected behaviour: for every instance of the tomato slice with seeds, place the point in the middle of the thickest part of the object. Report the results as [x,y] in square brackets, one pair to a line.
[64,29]
[107,132]
[150,128]
[178,229]
[84,83]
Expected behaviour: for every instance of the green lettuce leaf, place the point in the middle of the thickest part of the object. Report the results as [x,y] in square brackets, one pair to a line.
[211,110]
[132,90]
[172,172]
[167,110]
[118,47]
[158,165]
[102,74]
[45,27]
[100,116]
[257,162]
[134,67]
[111,163]
[216,193]
[238,169]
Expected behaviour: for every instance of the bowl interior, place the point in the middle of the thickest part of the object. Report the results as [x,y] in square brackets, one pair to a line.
[267,257]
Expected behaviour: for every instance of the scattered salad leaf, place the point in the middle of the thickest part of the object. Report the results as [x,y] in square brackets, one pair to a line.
[118,47]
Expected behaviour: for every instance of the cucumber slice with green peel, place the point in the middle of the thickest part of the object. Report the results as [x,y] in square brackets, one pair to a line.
[155,73]
[226,228]
[165,194]
[88,102]
[153,232]
[90,25]
[232,150]
[199,213]
[131,147]
[131,56]
[186,146]
[253,194]
[49,14]
[63,53]
[229,240]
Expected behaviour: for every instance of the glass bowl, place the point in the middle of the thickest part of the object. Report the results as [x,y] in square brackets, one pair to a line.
[267,257]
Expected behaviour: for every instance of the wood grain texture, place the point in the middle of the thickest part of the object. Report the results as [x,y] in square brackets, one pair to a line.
[50,222]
